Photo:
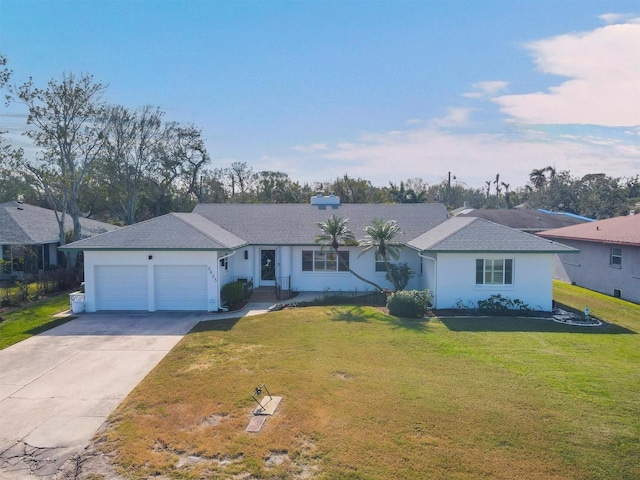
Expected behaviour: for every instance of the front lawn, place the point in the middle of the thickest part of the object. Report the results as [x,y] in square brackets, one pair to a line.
[24,322]
[369,396]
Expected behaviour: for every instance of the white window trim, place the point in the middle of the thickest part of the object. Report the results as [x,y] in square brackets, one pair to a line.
[313,262]
[612,256]
[502,285]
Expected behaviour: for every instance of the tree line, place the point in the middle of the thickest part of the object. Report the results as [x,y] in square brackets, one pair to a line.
[123,165]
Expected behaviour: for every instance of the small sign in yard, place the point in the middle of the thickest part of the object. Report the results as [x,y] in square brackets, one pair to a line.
[266,406]
[256,423]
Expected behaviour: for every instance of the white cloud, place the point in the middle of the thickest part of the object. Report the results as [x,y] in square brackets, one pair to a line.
[603,67]
[486,89]
[457,117]
[313,147]
[430,152]
[610,18]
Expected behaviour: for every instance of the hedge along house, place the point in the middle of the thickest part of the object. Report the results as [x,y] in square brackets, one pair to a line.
[29,238]
[180,261]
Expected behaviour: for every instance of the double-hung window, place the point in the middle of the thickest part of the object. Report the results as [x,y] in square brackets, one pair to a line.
[491,271]
[380,266]
[615,259]
[327,261]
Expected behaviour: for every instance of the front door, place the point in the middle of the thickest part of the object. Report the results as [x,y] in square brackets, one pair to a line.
[267,267]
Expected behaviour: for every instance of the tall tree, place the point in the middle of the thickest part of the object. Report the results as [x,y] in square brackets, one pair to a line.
[133,140]
[10,183]
[334,234]
[507,194]
[240,177]
[379,238]
[351,190]
[537,177]
[66,122]
[277,187]
[178,159]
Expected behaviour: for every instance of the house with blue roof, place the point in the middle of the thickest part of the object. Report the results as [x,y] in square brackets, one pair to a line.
[180,261]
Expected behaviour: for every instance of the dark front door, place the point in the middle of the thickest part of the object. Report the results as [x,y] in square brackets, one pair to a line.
[267,265]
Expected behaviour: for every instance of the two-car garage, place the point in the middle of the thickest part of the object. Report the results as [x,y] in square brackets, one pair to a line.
[151,287]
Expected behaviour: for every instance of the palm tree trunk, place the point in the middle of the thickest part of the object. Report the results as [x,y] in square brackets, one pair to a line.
[344,264]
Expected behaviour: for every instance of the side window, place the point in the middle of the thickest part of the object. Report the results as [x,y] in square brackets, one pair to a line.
[494,271]
[616,257]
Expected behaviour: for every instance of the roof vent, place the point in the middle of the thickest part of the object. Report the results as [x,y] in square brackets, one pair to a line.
[321,199]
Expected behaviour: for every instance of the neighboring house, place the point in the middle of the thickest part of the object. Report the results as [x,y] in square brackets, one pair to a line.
[609,258]
[528,220]
[29,238]
[180,261]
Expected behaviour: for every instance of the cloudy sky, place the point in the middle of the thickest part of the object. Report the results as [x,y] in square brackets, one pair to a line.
[383,90]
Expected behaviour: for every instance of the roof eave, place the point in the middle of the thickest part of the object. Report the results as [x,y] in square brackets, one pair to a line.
[510,251]
[155,249]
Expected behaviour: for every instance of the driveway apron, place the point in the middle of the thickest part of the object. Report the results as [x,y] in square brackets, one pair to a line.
[59,387]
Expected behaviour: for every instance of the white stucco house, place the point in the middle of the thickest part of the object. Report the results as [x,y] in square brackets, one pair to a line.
[180,261]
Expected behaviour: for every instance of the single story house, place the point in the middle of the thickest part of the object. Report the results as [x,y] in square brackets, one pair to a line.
[29,238]
[180,261]
[530,220]
[609,258]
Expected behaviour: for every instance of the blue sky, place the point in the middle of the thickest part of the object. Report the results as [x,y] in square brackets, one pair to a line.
[383,90]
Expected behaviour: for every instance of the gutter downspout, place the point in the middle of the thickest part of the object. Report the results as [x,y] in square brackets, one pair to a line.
[224,257]
[435,280]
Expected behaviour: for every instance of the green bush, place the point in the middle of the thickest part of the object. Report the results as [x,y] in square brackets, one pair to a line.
[409,303]
[232,294]
[498,303]
[402,273]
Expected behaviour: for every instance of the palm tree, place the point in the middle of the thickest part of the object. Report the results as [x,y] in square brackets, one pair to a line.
[497,182]
[334,233]
[552,172]
[397,194]
[379,238]
[506,192]
[537,178]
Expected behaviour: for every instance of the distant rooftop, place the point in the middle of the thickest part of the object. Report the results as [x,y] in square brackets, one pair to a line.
[617,230]
[527,219]
[23,224]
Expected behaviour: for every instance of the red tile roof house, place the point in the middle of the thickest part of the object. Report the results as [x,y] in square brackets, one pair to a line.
[609,258]
[180,261]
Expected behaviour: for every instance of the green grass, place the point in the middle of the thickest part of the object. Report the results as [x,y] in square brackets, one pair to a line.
[605,307]
[24,322]
[370,396]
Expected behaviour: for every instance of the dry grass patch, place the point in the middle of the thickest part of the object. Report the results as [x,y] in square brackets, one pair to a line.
[369,396]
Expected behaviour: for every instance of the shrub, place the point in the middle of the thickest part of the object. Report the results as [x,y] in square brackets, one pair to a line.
[402,273]
[409,303]
[232,294]
[498,303]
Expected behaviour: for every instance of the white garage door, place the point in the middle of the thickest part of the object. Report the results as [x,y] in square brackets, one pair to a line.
[120,287]
[181,287]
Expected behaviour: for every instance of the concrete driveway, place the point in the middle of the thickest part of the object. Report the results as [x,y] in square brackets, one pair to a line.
[58,388]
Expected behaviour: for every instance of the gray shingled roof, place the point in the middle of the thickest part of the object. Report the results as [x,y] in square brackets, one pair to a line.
[472,234]
[22,224]
[174,231]
[526,219]
[295,224]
